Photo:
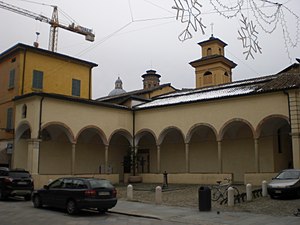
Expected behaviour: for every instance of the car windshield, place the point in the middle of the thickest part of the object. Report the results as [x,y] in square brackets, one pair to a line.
[288,175]
[18,174]
[100,183]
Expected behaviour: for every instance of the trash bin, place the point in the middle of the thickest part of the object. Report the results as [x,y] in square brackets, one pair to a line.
[204,195]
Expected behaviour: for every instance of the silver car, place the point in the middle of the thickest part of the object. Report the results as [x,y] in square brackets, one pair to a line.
[285,184]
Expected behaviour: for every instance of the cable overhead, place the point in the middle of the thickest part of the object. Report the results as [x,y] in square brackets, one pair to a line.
[54,23]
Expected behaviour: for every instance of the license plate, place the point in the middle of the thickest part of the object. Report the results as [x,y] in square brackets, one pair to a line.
[278,191]
[22,182]
[102,193]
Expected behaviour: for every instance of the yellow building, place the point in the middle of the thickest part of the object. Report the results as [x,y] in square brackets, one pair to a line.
[247,130]
[25,69]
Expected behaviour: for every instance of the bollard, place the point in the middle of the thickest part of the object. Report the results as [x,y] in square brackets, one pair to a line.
[129,192]
[249,192]
[158,195]
[230,196]
[264,188]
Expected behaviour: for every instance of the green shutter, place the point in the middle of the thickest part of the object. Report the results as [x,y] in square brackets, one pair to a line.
[37,81]
[76,87]
[11,82]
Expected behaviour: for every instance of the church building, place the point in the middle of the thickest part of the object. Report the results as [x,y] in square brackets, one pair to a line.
[247,130]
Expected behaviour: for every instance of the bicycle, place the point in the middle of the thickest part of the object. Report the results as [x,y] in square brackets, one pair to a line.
[221,190]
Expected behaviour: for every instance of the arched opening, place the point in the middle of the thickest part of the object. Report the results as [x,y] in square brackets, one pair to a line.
[209,51]
[90,152]
[56,149]
[22,134]
[172,147]
[119,150]
[147,152]
[203,150]
[275,144]
[238,153]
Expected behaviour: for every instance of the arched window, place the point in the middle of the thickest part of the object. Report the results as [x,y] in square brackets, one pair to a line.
[209,51]
[207,78]
[207,73]
[24,111]
[226,74]
[220,51]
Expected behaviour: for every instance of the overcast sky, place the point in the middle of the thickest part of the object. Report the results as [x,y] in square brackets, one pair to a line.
[133,36]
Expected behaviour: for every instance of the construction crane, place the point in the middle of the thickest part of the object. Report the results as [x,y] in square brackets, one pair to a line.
[54,24]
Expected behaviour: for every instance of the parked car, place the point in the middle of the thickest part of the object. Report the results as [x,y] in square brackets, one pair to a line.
[73,194]
[16,182]
[285,184]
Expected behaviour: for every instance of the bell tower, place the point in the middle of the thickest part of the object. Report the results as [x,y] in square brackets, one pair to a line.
[213,68]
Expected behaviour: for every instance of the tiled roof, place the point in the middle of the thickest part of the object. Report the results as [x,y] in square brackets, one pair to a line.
[239,88]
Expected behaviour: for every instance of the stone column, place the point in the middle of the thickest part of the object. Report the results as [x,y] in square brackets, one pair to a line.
[158,159]
[187,158]
[106,159]
[256,155]
[33,156]
[73,158]
[220,163]
[294,107]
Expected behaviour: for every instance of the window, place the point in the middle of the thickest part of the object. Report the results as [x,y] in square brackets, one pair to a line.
[9,119]
[24,111]
[11,82]
[207,77]
[37,81]
[209,51]
[75,87]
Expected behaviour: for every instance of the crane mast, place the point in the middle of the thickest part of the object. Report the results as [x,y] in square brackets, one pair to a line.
[54,24]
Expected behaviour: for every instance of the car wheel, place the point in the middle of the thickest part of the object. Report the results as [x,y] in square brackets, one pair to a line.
[27,197]
[71,207]
[2,196]
[37,201]
[100,210]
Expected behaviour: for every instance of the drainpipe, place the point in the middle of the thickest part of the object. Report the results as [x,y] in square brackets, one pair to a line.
[133,143]
[90,84]
[23,74]
[289,106]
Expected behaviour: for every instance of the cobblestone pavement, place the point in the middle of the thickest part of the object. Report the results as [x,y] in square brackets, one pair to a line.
[187,196]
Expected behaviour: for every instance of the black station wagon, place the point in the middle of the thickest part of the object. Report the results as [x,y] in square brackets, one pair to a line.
[74,194]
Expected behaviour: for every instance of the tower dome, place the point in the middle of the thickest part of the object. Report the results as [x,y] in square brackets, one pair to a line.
[118,88]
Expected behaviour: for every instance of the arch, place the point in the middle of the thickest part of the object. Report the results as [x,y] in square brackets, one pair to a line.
[203,148]
[207,73]
[21,128]
[274,143]
[172,145]
[209,51]
[98,131]
[264,120]
[63,127]
[232,121]
[194,128]
[146,143]
[124,133]
[237,147]
[142,132]
[166,131]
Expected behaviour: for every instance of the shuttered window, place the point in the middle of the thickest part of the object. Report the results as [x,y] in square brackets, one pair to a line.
[75,87]
[37,80]
[11,81]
